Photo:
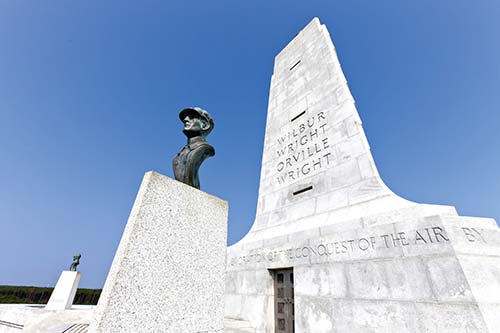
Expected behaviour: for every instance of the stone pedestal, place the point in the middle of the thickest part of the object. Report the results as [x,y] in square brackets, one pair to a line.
[64,291]
[168,272]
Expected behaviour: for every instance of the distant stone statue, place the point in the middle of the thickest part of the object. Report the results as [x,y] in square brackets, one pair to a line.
[197,125]
[76,262]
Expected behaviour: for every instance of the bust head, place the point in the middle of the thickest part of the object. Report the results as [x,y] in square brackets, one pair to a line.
[197,122]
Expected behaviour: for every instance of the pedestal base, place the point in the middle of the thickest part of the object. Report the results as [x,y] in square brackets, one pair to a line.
[64,292]
[168,272]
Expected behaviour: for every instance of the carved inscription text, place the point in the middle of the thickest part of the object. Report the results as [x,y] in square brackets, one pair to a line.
[349,247]
[303,150]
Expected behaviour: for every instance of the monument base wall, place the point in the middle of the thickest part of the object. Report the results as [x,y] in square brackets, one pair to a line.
[436,274]
[168,271]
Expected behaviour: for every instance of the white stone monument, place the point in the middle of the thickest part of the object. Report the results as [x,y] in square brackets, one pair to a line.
[168,272]
[332,248]
[64,292]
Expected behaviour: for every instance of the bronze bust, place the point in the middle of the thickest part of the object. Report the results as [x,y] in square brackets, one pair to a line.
[197,125]
[76,262]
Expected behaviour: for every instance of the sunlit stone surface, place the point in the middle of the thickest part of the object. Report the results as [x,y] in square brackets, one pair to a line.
[168,271]
[363,258]
[64,291]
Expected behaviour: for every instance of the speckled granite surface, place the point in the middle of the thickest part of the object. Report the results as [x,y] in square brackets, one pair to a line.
[168,272]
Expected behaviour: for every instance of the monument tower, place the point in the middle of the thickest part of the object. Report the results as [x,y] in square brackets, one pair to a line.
[332,248]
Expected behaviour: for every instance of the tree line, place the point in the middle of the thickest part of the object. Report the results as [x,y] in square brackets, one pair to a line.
[41,295]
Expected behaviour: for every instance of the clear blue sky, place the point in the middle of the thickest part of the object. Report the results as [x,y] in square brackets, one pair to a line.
[90,92]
